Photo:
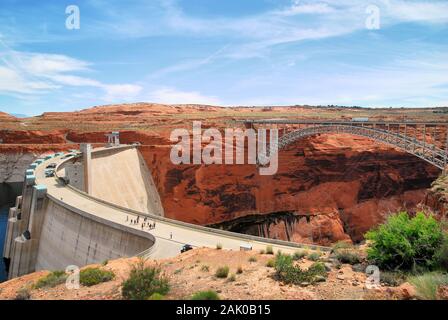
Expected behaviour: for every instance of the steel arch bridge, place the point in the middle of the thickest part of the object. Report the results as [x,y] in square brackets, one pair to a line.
[425,140]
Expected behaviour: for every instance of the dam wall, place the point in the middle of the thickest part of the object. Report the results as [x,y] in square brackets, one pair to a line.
[44,232]
[72,237]
[119,176]
[54,225]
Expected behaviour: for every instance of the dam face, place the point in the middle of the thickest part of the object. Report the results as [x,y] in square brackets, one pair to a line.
[43,232]
[55,223]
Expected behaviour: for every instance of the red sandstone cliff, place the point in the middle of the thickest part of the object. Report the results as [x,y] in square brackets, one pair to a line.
[336,186]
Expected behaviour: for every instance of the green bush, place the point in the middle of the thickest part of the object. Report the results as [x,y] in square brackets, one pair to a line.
[205,295]
[348,256]
[269,250]
[270,263]
[51,280]
[218,246]
[93,276]
[156,296]
[253,259]
[426,284]
[232,277]
[314,256]
[144,282]
[392,279]
[441,256]
[287,272]
[222,272]
[405,243]
[299,254]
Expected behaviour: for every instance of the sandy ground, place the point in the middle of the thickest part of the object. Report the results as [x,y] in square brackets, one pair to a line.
[187,275]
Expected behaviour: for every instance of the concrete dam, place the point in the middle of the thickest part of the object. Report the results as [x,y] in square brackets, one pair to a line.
[86,211]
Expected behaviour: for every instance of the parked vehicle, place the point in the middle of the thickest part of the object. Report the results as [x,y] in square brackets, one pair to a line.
[49,173]
[51,166]
[186,247]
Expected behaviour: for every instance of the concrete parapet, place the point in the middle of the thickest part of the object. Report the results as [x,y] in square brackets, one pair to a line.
[71,237]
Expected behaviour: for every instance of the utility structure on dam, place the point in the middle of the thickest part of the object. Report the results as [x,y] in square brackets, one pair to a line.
[426,140]
[85,211]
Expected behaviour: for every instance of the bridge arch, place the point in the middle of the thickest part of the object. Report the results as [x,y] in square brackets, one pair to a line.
[428,152]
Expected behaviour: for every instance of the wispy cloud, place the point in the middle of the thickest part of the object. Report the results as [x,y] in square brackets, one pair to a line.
[29,73]
[174,96]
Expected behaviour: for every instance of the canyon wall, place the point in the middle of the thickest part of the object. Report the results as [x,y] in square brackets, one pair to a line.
[15,159]
[336,186]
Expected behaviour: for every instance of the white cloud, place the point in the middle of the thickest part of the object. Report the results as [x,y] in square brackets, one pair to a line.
[173,96]
[12,82]
[29,73]
[121,91]
[50,63]
[434,12]
[298,8]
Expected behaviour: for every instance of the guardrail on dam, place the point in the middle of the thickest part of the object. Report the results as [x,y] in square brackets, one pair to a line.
[55,224]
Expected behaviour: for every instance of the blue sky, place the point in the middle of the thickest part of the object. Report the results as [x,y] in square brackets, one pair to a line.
[222,52]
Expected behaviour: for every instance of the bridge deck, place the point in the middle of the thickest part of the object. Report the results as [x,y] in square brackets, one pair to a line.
[348,122]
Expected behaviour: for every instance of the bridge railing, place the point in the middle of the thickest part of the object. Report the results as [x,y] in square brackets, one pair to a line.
[426,151]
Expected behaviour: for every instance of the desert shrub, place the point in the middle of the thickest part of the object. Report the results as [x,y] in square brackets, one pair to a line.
[441,255]
[51,280]
[232,277]
[314,256]
[92,276]
[23,293]
[341,245]
[205,295]
[405,243]
[218,246]
[156,296]
[144,282]
[178,271]
[105,262]
[270,263]
[348,256]
[269,250]
[426,284]
[252,259]
[262,251]
[392,279]
[239,270]
[205,268]
[222,272]
[299,254]
[287,272]
[346,253]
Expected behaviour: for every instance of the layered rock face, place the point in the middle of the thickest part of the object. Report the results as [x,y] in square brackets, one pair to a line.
[335,187]
[328,188]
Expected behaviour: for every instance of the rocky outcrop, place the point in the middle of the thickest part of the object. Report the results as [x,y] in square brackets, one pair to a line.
[15,159]
[13,166]
[345,185]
